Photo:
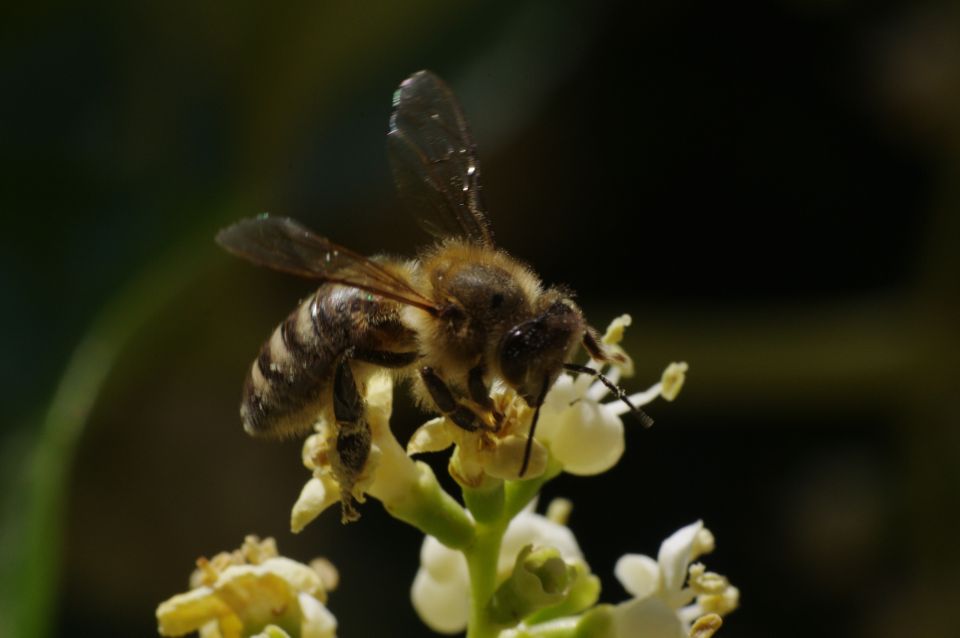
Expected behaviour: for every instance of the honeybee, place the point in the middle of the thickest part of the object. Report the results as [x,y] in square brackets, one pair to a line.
[460,316]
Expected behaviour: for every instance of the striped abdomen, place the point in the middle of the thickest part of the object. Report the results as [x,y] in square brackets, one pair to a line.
[289,385]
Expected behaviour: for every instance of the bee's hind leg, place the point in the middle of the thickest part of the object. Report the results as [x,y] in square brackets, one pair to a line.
[353,437]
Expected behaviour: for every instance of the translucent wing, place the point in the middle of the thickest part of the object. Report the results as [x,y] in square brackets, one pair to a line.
[283,244]
[434,160]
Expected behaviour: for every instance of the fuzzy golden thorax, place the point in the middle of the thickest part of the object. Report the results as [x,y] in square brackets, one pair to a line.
[484,295]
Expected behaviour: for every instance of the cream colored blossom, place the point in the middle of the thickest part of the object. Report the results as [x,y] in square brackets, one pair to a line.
[388,475]
[583,434]
[672,592]
[441,588]
[484,453]
[250,591]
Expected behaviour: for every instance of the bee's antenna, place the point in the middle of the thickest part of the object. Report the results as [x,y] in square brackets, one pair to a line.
[617,390]
[533,427]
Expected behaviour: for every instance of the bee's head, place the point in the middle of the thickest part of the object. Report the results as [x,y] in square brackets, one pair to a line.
[532,353]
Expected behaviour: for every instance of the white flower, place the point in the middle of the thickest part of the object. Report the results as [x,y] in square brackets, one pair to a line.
[389,474]
[441,588]
[248,591]
[585,435]
[484,454]
[670,593]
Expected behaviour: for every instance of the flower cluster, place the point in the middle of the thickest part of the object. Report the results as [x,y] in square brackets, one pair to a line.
[253,591]
[669,595]
[441,588]
[672,592]
[577,430]
[490,565]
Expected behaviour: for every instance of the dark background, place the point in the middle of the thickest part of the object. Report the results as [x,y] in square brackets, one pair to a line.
[770,189]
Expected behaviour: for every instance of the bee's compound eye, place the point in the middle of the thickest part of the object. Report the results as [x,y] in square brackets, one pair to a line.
[516,349]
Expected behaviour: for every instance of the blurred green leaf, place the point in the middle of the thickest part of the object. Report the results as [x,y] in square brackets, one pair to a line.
[33,521]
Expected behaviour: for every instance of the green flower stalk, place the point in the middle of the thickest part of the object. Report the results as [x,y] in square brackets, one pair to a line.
[474,575]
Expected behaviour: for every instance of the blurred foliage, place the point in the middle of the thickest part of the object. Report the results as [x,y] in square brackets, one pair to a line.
[770,189]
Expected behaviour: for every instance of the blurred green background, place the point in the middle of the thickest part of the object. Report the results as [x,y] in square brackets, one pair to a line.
[771,189]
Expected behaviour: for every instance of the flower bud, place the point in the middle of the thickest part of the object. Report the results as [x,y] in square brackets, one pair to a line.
[540,578]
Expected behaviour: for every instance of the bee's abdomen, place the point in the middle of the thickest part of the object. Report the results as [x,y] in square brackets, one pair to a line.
[290,378]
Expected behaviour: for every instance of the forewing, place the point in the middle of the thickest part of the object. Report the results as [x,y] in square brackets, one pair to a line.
[283,244]
[434,160]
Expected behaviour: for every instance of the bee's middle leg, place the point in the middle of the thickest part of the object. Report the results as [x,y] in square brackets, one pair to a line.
[443,397]
[353,437]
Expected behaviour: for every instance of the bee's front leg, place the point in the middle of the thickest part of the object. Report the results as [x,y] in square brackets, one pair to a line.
[353,437]
[480,393]
[591,343]
[448,405]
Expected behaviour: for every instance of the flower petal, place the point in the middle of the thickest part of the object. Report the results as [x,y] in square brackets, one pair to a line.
[639,575]
[560,396]
[676,554]
[318,622]
[507,458]
[649,618]
[443,563]
[298,576]
[190,611]
[432,436]
[528,528]
[441,605]
[317,495]
[588,439]
[272,631]
[254,593]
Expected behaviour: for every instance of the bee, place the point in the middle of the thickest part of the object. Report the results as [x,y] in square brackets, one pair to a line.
[457,318]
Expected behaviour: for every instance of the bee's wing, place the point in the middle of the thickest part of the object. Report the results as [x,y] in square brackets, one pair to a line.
[283,244]
[434,160]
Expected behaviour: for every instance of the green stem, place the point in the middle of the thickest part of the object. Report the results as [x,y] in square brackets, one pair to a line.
[493,507]
[429,508]
[482,559]
[486,502]
[519,493]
